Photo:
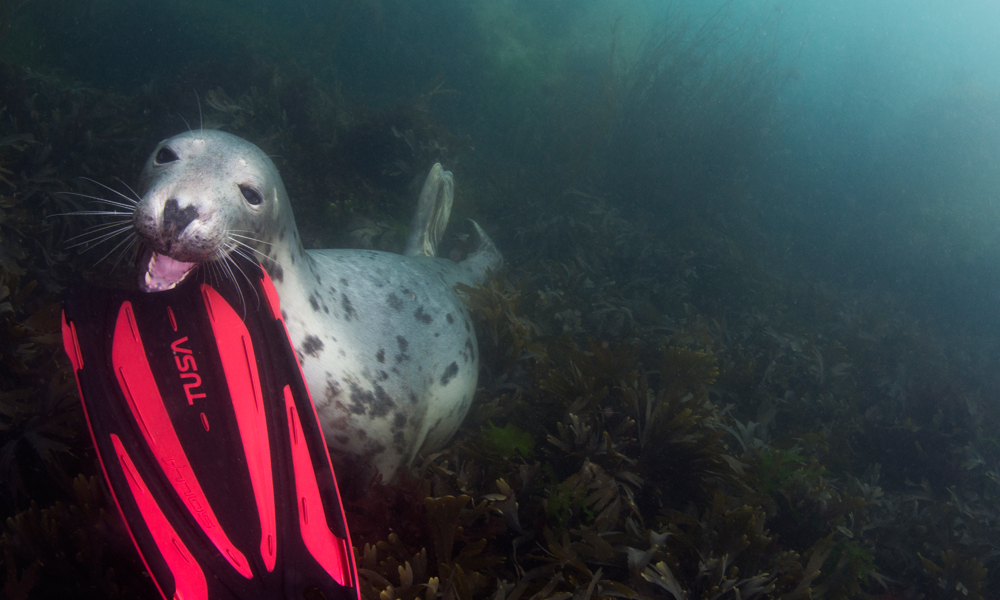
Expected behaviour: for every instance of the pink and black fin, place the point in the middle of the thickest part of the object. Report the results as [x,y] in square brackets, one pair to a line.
[209,440]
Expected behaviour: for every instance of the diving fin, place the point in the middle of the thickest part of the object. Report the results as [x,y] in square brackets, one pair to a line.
[209,440]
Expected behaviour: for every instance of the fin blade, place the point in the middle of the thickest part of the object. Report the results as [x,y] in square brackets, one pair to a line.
[163,333]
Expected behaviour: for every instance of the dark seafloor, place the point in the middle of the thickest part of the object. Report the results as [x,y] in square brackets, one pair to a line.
[746,341]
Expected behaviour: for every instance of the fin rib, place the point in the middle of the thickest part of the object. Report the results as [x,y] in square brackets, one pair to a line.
[189,579]
[330,551]
[239,363]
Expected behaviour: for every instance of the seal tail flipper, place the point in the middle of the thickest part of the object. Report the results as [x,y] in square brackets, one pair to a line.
[209,440]
[433,211]
[484,258]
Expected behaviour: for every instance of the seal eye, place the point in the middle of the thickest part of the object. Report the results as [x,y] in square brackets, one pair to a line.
[165,155]
[252,196]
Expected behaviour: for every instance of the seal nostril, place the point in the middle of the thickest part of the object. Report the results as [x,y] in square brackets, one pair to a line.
[176,218]
[165,155]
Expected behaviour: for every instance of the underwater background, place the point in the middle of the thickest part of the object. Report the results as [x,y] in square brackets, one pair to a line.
[746,344]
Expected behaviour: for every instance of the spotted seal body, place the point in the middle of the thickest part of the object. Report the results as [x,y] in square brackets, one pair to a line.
[386,345]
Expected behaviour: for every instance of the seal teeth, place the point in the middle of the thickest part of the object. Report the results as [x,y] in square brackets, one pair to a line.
[162,272]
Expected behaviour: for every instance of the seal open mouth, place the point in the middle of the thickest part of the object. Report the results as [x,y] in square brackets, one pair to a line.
[159,272]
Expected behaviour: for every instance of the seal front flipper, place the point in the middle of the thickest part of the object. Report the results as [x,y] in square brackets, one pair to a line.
[209,440]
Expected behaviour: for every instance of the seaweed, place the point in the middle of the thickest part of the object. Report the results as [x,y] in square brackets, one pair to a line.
[726,550]
[509,440]
[957,577]
[505,337]
[455,567]
[72,549]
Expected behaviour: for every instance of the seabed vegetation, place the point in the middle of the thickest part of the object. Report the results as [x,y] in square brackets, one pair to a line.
[662,413]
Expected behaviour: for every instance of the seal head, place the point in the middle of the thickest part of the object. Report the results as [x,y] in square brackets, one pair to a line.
[199,198]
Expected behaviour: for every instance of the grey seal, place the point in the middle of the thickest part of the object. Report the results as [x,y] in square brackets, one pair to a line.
[387,347]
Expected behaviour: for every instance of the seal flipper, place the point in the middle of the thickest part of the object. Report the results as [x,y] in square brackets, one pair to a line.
[209,440]
[433,211]
[430,221]
[486,257]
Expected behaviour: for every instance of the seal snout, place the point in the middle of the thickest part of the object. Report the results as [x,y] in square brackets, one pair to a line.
[173,227]
[174,237]
[176,219]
